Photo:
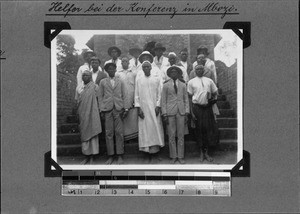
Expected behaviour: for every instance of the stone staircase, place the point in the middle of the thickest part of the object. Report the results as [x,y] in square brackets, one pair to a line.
[68,137]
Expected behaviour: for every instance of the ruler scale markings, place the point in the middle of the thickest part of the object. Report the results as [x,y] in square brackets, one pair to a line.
[123,183]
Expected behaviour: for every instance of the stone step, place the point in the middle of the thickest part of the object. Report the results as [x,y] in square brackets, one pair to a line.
[225,113]
[69,128]
[223,104]
[74,138]
[221,97]
[132,148]
[72,119]
[228,133]
[227,122]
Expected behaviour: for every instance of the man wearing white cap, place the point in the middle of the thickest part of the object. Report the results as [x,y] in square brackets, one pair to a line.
[147,100]
[155,72]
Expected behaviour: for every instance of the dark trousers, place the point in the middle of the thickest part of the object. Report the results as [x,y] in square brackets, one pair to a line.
[206,126]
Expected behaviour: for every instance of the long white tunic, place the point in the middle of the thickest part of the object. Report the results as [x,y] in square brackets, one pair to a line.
[147,97]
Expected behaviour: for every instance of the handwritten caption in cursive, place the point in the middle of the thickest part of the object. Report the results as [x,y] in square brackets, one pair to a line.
[2,52]
[138,9]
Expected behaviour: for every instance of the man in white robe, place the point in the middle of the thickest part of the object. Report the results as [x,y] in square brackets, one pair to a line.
[147,100]
[155,71]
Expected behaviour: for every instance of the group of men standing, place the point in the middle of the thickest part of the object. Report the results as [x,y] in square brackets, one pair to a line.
[147,97]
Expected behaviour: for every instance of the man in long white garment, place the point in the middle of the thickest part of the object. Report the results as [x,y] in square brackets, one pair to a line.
[147,100]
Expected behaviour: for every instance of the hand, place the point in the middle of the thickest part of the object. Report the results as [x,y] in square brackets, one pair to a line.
[141,113]
[165,119]
[186,118]
[211,101]
[102,115]
[125,114]
[157,110]
[193,117]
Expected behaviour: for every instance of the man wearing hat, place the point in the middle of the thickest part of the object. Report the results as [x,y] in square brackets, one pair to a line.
[134,62]
[97,73]
[172,60]
[89,118]
[175,109]
[208,63]
[147,100]
[114,52]
[155,71]
[114,105]
[203,93]
[86,66]
[159,59]
[188,67]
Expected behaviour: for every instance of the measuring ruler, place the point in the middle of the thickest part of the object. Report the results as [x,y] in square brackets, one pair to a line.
[217,185]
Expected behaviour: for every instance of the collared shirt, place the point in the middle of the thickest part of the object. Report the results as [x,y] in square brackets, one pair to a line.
[201,89]
[163,61]
[94,75]
[185,64]
[112,81]
[134,64]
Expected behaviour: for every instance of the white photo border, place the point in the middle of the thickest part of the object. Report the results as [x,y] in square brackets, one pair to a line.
[147,167]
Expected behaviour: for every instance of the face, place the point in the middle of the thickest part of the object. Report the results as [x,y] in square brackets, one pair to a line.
[183,56]
[86,78]
[147,68]
[95,65]
[173,74]
[146,58]
[135,54]
[201,60]
[172,60]
[158,52]
[199,71]
[114,54]
[111,71]
[125,63]
[89,55]
[202,51]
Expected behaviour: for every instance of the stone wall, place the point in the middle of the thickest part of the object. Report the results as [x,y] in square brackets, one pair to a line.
[173,43]
[227,82]
[66,86]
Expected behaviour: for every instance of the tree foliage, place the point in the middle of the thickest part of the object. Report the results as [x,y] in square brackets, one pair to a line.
[66,53]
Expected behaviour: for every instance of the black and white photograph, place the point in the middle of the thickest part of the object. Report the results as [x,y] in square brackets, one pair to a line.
[147,99]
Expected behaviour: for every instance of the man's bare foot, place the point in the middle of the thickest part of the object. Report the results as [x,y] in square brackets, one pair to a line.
[173,160]
[181,160]
[207,157]
[120,160]
[201,156]
[109,160]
